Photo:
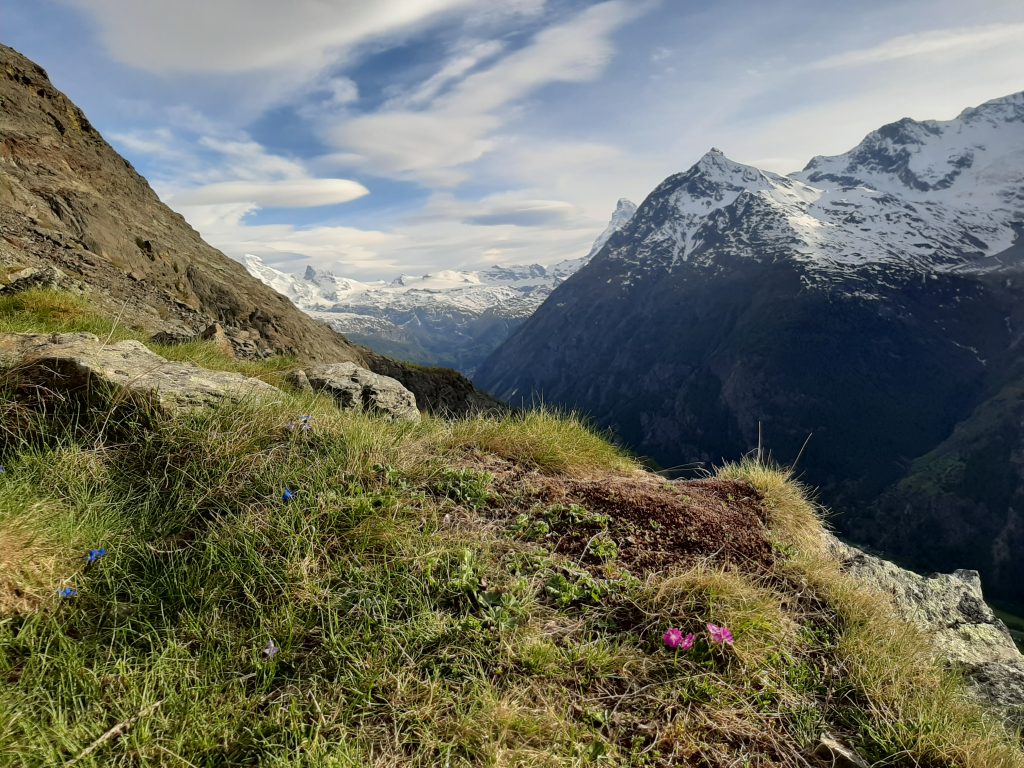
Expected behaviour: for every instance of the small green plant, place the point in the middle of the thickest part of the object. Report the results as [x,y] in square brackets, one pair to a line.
[529,528]
[603,547]
[575,514]
[465,486]
[573,587]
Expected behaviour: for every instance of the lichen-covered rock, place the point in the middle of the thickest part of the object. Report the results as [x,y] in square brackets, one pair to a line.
[356,388]
[298,380]
[79,364]
[951,610]
[33,278]
[216,334]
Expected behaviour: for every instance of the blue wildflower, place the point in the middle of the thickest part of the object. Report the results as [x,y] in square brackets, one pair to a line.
[68,592]
[271,650]
[2,470]
[95,554]
[288,495]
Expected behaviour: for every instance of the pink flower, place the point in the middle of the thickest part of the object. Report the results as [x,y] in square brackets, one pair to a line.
[673,638]
[720,635]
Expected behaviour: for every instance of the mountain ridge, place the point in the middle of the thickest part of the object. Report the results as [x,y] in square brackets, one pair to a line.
[737,300]
[453,318]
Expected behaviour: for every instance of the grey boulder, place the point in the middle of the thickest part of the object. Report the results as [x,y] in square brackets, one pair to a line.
[950,609]
[355,388]
[31,278]
[80,365]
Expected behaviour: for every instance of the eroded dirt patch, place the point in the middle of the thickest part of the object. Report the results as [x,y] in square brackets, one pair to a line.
[652,523]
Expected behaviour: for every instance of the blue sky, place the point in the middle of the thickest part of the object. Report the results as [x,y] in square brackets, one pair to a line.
[403,136]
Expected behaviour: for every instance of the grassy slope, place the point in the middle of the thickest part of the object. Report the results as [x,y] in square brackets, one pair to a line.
[424,615]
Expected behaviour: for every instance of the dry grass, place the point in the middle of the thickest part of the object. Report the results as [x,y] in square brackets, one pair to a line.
[795,519]
[555,443]
[710,593]
[29,566]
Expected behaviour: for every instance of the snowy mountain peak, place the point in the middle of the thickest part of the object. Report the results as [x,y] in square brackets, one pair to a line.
[621,216]
[1005,109]
[976,158]
[914,195]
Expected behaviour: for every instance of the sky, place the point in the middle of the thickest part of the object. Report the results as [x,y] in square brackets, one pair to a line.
[394,137]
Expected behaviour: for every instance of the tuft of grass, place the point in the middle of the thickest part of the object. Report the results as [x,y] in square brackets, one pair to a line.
[553,442]
[45,311]
[726,597]
[795,519]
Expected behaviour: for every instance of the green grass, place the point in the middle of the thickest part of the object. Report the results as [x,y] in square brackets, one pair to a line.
[418,622]
[44,311]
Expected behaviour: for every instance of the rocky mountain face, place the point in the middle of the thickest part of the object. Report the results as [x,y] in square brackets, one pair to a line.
[451,318]
[69,202]
[871,302]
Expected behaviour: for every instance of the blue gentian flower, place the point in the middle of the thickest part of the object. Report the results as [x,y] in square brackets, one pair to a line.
[271,650]
[95,554]
[288,495]
[68,592]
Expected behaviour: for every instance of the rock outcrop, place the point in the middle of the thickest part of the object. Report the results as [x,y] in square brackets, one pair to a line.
[355,388]
[80,365]
[32,278]
[950,609]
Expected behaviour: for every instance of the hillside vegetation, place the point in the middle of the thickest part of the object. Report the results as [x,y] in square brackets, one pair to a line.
[344,590]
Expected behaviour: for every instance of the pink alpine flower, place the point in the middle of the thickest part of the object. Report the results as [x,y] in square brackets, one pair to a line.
[676,640]
[673,638]
[720,635]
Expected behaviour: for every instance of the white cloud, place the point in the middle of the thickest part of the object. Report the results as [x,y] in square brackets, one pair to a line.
[458,126]
[343,91]
[285,193]
[939,42]
[228,37]
[356,251]
[424,145]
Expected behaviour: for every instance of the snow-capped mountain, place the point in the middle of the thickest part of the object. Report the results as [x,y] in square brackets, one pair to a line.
[922,196]
[874,299]
[450,317]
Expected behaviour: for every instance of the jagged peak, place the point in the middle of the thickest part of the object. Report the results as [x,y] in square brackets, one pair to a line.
[1009,107]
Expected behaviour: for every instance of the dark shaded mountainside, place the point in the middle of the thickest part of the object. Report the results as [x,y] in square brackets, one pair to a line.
[873,300]
[68,200]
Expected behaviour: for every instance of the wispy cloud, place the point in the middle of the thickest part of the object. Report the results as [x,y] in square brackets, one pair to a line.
[459,126]
[939,42]
[239,36]
[284,193]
